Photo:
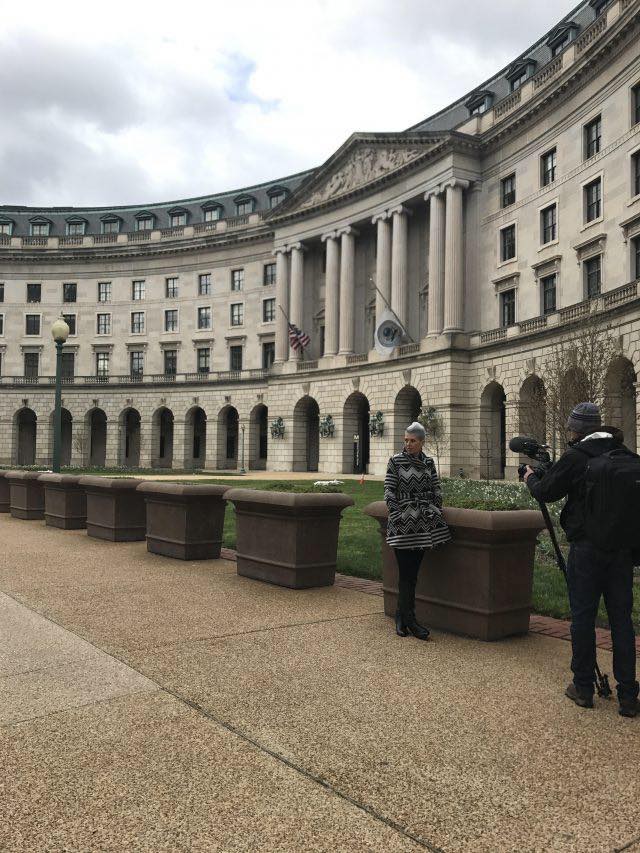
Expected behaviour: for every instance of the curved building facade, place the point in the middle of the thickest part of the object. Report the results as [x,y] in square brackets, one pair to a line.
[487,228]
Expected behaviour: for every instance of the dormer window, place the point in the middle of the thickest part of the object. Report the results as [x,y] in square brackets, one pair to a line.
[480,103]
[6,226]
[520,73]
[560,45]
[244,205]
[145,221]
[110,224]
[76,227]
[276,196]
[39,227]
[178,219]
[599,6]
[561,36]
[212,212]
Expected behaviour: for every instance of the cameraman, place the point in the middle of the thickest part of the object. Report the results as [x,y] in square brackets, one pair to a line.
[591,571]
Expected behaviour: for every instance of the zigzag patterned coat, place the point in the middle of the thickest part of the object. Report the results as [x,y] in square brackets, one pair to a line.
[414,499]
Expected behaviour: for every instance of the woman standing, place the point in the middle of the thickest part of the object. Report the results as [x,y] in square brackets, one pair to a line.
[414,500]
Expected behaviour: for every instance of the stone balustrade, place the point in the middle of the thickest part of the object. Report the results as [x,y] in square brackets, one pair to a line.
[591,34]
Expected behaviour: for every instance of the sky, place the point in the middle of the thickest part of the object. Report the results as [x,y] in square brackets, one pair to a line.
[127,103]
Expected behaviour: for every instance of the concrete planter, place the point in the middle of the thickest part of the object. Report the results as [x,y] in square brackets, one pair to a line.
[65,501]
[26,494]
[184,522]
[480,584]
[115,510]
[5,492]
[286,538]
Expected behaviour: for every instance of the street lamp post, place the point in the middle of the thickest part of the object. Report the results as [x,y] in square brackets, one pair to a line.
[242,468]
[60,333]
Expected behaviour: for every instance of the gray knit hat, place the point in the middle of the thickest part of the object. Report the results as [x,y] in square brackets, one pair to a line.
[585,418]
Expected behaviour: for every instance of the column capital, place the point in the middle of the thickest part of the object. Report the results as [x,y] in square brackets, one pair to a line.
[281,250]
[330,235]
[348,230]
[400,209]
[299,246]
[383,216]
[456,183]
[434,192]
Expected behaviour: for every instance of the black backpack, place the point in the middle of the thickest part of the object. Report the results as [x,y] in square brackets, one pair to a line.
[612,499]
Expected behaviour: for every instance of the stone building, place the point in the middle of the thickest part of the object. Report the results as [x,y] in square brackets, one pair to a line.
[487,228]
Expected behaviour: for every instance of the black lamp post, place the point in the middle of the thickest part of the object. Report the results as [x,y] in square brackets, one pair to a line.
[242,468]
[60,333]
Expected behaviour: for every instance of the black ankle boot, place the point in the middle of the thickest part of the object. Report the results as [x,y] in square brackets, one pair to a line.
[418,631]
[401,628]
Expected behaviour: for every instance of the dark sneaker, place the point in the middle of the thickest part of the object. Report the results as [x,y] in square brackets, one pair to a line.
[582,700]
[418,631]
[629,707]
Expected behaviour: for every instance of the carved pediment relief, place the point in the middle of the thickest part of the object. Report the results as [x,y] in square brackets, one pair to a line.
[363,166]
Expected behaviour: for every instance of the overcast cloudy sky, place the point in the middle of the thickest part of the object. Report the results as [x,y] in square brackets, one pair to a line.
[136,102]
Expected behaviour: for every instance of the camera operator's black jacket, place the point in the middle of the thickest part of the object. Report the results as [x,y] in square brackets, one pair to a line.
[566,477]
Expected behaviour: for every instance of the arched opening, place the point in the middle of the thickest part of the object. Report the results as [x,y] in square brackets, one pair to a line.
[25,429]
[162,438]
[258,438]
[196,437]
[355,434]
[573,388]
[306,435]
[228,438]
[620,400]
[96,429]
[406,409]
[532,409]
[130,438]
[493,444]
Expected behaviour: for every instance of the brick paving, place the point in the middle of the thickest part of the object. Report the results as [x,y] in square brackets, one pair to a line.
[547,625]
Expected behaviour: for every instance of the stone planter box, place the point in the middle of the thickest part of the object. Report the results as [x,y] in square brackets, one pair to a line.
[286,538]
[5,492]
[26,494]
[480,584]
[184,522]
[115,510]
[65,501]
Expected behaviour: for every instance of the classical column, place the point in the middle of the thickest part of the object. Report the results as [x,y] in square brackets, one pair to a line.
[454,258]
[435,307]
[282,305]
[331,293]
[347,290]
[399,265]
[383,263]
[296,303]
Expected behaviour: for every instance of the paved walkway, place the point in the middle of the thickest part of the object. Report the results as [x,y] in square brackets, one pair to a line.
[152,705]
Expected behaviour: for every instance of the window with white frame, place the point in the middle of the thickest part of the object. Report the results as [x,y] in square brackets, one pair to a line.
[237,280]
[203,359]
[103,324]
[244,207]
[276,198]
[145,223]
[178,219]
[137,322]
[32,324]
[6,228]
[269,275]
[104,291]
[171,320]
[76,229]
[138,289]
[170,362]
[102,364]
[136,363]
[237,314]
[40,229]
[212,214]
[111,226]
[171,288]
[204,284]
[204,317]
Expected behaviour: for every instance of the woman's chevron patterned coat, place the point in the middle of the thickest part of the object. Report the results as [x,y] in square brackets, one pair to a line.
[414,499]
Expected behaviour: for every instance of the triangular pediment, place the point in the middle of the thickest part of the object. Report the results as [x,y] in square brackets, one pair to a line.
[363,162]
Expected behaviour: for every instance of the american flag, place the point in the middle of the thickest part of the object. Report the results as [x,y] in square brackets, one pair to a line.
[297,339]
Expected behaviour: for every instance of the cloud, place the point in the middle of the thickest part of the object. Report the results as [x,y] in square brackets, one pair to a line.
[202,98]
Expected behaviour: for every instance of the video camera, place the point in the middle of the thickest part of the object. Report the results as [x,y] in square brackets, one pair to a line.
[526,446]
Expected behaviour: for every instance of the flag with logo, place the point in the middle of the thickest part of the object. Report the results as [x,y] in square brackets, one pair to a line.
[297,338]
[390,333]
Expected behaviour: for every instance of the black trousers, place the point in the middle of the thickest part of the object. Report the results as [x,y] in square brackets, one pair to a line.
[409,560]
[593,573]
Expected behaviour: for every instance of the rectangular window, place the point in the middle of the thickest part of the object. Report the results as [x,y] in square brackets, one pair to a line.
[560,46]
[204,284]
[212,214]
[39,229]
[75,229]
[31,365]
[635,248]
[144,224]
[508,243]
[136,358]
[103,324]
[102,364]
[171,320]
[137,322]
[549,224]
[268,354]
[70,320]
[1,291]
[592,137]
[243,208]
[237,279]
[275,199]
[635,105]
[178,219]
[548,163]
[6,228]
[235,358]
[138,289]
[204,318]
[269,275]
[268,310]
[68,366]
[204,359]
[237,314]
[593,200]
[69,292]
[517,82]
[32,324]
[111,226]
[548,284]
[507,308]
[170,362]
[171,288]
[34,292]
[508,190]
[593,276]
[1,324]
[104,291]
[635,174]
